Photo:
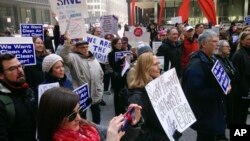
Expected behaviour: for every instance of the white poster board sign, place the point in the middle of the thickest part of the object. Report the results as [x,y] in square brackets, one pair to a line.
[109,24]
[99,47]
[175,20]
[156,45]
[44,87]
[170,103]
[71,16]
[136,35]
[22,47]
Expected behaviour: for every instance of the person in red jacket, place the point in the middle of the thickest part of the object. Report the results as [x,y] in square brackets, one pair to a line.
[190,45]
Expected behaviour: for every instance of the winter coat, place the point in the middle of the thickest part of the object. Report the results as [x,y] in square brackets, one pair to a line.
[86,133]
[24,126]
[204,95]
[34,74]
[189,46]
[241,61]
[172,55]
[84,70]
[64,82]
[152,129]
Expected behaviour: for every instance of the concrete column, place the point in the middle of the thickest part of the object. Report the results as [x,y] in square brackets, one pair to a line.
[156,12]
[246,8]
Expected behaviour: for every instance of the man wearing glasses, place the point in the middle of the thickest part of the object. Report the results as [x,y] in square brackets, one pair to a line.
[18,122]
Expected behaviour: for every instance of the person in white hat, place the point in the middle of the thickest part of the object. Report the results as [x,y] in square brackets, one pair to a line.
[53,67]
[190,44]
[85,68]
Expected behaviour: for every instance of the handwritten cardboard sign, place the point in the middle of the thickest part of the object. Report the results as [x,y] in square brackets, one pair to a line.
[109,24]
[44,87]
[99,47]
[71,16]
[22,47]
[221,76]
[83,92]
[31,30]
[170,103]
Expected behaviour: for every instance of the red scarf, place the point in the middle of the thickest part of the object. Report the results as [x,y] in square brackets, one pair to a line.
[86,133]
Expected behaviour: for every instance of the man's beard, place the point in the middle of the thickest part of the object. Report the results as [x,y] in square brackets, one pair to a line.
[18,83]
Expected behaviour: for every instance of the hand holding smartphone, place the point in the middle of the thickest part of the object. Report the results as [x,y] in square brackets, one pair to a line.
[128,117]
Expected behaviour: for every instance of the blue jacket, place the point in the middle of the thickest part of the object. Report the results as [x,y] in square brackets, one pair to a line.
[64,82]
[204,95]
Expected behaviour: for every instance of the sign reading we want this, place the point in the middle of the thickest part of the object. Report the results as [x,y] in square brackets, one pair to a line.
[22,47]
[170,103]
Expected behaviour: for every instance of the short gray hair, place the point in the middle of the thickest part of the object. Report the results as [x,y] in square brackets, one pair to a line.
[205,36]
[220,45]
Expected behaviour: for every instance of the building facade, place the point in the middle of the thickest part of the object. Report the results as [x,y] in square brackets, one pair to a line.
[14,12]
[226,10]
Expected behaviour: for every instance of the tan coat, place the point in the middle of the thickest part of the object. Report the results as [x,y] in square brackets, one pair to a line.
[84,70]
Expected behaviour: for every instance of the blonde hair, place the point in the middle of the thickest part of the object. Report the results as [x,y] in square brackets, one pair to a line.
[242,36]
[142,71]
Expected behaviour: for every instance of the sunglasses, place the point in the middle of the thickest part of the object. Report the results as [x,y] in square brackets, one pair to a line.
[73,115]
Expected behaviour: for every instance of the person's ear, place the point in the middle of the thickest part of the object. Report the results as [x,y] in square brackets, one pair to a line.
[1,76]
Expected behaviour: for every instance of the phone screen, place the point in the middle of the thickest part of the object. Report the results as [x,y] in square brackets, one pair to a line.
[128,117]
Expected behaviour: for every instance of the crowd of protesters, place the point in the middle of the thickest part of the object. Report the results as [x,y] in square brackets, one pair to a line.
[191,50]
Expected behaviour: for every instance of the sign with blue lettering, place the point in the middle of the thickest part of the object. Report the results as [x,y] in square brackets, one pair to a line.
[221,76]
[83,92]
[120,54]
[31,30]
[99,47]
[22,47]
[247,20]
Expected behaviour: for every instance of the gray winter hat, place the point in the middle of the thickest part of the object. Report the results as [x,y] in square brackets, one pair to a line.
[143,48]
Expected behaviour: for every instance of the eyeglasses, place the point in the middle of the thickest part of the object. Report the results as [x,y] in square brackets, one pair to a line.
[73,115]
[125,43]
[13,68]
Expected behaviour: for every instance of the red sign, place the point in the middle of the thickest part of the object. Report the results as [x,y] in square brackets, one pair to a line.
[138,32]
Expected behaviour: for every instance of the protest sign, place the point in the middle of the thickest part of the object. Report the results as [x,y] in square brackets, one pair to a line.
[71,16]
[175,20]
[247,20]
[83,92]
[170,103]
[109,24]
[156,45]
[99,47]
[44,87]
[31,30]
[137,34]
[22,47]
[161,61]
[120,54]
[221,76]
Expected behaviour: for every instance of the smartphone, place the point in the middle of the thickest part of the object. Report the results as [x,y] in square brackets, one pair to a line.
[128,117]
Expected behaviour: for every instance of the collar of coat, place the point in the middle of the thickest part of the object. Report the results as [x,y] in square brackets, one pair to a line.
[91,56]
[3,89]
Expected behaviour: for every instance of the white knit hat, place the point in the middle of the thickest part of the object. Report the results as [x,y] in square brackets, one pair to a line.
[49,61]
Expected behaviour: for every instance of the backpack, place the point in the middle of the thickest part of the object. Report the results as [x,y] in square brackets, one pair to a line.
[10,109]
